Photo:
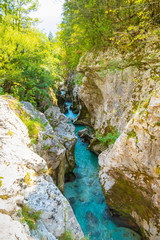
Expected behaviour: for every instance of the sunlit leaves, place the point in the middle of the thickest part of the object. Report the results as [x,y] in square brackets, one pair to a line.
[88,24]
[29,63]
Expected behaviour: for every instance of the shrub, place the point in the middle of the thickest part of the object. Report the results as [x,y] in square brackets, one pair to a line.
[30,217]
[67,235]
[110,138]
[33,124]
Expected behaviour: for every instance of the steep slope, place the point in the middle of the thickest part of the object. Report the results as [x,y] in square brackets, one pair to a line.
[27,192]
[126,98]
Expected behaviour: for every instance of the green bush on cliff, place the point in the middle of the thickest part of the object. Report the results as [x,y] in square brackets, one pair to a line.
[30,217]
[124,25]
[67,235]
[109,139]
[33,124]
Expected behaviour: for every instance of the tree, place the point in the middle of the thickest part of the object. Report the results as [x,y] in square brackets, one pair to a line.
[16,12]
[29,62]
[50,37]
[89,24]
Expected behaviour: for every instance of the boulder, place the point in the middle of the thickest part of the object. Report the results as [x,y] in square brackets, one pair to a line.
[96,147]
[12,230]
[85,136]
[65,133]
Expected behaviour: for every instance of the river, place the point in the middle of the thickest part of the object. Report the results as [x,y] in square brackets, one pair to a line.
[86,197]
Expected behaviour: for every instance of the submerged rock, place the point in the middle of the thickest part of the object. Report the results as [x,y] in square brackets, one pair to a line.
[96,147]
[92,221]
[25,184]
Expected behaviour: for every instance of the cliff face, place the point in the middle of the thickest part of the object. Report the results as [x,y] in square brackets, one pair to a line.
[56,142]
[126,98]
[27,192]
[110,90]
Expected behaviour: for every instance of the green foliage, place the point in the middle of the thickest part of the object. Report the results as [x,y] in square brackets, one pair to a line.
[16,12]
[157,124]
[67,235]
[28,64]
[45,137]
[33,127]
[33,124]
[123,24]
[30,217]
[131,134]
[1,91]
[78,79]
[110,138]
[29,61]
[46,147]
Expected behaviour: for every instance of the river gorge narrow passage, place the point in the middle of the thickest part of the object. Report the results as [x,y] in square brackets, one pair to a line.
[86,197]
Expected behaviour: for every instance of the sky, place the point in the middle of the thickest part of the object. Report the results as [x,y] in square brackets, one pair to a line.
[49,13]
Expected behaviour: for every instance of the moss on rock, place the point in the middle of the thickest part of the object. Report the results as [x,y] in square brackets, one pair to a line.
[126,198]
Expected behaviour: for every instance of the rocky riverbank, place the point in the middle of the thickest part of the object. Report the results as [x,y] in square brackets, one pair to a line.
[31,205]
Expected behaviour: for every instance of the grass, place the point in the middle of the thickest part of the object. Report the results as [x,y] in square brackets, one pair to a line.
[33,124]
[30,217]
[46,147]
[4,197]
[157,170]
[157,124]
[67,235]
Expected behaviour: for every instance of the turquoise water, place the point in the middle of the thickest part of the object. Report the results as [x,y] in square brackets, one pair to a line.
[86,197]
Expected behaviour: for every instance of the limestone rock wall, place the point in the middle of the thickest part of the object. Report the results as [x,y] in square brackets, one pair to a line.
[130,171]
[128,99]
[24,182]
[56,142]
[111,92]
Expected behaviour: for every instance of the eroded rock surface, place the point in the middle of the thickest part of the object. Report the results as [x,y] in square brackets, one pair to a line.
[24,182]
[110,93]
[65,133]
[126,98]
[56,142]
[130,171]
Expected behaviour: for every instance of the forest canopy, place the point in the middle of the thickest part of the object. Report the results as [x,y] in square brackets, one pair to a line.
[29,61]
[32,64]
[89,24]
